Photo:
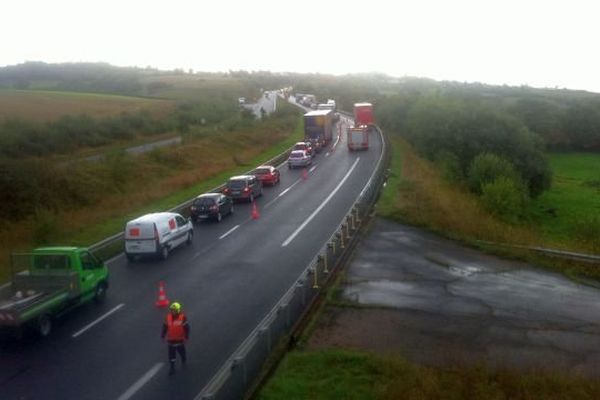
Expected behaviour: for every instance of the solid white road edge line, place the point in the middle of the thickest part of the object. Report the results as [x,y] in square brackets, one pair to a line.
[336,141]
[141,382]
[88,326]
[228,232]
[297,231]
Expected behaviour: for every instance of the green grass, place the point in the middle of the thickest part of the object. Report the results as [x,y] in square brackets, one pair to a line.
[327,375]
[386,206]
[573,198]
[339,374]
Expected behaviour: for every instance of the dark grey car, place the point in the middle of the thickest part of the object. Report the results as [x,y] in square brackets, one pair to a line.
[211,206]
[243,187]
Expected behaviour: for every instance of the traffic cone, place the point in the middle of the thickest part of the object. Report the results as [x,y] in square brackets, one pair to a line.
[304,174]
[255,213]
[162,296]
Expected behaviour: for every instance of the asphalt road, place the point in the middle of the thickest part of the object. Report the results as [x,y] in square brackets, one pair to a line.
[227,280]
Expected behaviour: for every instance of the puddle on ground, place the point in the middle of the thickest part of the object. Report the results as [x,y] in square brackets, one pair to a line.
[431,297]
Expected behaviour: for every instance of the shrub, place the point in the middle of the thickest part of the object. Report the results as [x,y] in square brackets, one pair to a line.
[486,168]
[504,197]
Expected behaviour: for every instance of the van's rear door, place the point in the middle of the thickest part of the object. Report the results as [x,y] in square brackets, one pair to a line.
[140,238]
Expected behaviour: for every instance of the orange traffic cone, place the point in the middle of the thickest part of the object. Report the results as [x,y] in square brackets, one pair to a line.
[255,213]
[162,296]
[304,174]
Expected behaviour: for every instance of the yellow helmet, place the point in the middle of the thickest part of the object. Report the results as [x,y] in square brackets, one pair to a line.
[176,307]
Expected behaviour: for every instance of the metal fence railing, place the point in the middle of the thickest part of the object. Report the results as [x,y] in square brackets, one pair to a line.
[241,369]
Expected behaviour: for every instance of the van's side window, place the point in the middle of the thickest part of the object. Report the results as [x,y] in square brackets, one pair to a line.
[180,221]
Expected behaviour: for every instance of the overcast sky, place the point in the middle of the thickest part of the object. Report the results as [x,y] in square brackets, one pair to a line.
[537,43]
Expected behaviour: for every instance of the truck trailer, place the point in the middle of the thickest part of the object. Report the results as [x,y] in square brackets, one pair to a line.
[363,114]
[318,127]
[358,138]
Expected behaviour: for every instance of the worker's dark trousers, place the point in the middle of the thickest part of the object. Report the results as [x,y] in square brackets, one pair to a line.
[178,347]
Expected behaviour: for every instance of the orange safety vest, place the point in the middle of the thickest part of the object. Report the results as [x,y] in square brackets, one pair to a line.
[175,331]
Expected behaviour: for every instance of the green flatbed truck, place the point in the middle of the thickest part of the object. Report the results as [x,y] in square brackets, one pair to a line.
[50,281]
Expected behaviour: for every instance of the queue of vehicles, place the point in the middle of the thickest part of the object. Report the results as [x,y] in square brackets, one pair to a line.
[51,281]
[364,121]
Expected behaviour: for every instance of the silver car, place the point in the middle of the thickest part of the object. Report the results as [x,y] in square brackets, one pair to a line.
[299,158]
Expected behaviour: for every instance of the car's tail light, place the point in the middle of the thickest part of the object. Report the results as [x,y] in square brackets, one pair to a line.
[214,208]
[193,208]
[246,189]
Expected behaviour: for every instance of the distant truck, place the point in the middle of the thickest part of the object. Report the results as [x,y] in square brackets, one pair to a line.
[358,138]
[318,128]
[363,114]
[51,281]
[325,106]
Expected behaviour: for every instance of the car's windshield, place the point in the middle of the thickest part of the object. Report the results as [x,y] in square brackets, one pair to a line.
[236,184]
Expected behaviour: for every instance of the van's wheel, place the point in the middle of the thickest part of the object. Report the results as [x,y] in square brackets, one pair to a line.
[44,325]
[231,209]
[164,252]
[130,258]
[100,294]
[219,217]
[190,238]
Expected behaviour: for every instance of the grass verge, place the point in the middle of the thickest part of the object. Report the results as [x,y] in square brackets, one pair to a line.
[340,374]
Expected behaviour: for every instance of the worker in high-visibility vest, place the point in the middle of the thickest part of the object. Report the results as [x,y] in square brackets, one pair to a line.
[176,330]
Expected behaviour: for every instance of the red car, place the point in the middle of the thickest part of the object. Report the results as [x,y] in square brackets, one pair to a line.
[268,174]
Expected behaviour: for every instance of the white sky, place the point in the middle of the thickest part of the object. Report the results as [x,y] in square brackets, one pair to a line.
[538,43]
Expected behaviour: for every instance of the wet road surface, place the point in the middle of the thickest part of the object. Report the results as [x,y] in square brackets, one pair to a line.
[447,303]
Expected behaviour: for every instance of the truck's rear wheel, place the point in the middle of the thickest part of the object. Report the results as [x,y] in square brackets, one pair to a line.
[44,325]
[100,294]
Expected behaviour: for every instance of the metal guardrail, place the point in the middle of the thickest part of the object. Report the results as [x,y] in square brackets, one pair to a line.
[567,255]
[239,371]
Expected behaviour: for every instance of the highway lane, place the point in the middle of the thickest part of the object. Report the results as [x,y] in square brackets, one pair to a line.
[226,283]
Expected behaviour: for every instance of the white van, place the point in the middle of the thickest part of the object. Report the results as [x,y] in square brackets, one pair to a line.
[156,234]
